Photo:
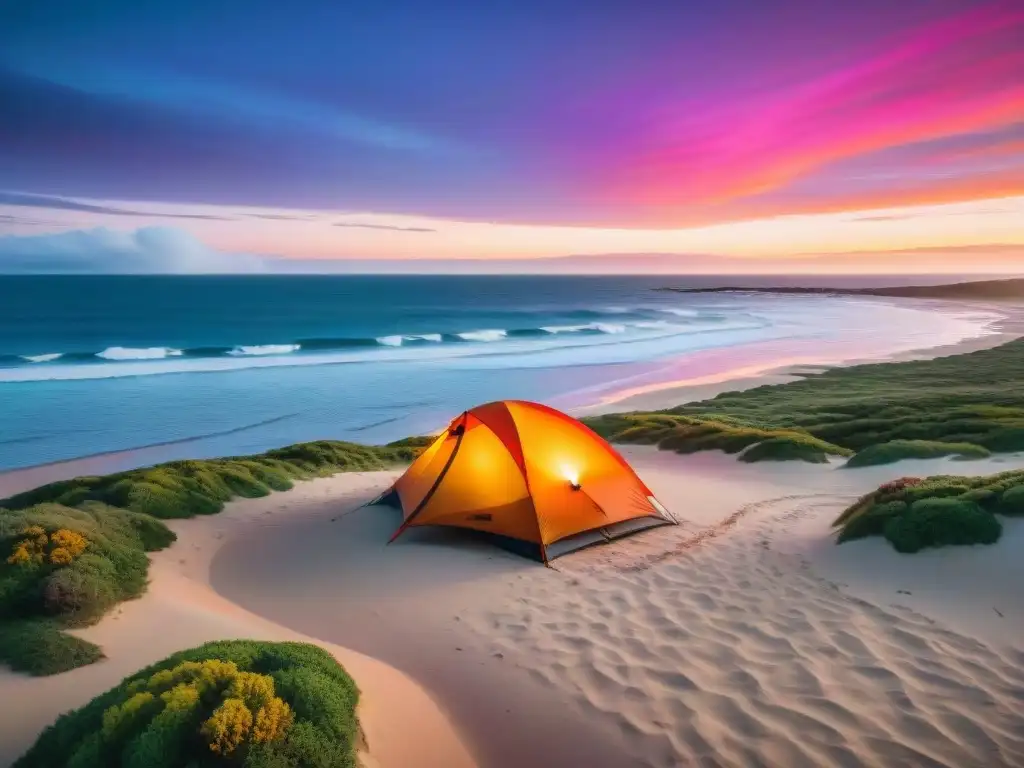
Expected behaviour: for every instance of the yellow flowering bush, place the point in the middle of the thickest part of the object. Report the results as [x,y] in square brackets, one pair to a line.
[37,546]
[272,721]
[246,709]
[228,727]
[250,713]
[234,703]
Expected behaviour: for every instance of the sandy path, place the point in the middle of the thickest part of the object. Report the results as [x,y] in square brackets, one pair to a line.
[403,726]
[710,643]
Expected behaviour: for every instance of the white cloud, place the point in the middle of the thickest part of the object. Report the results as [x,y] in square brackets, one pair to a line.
[149,250]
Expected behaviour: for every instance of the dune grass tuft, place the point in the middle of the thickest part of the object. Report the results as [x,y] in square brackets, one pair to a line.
[964,400]
[690,434]
[896,450]
[790,447]
[71,550]
[188,488]
[914,513]
[231,703]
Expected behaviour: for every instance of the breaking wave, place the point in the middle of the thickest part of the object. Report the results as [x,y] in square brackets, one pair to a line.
[49,358]
[147,353]
[264,349]
[122,354]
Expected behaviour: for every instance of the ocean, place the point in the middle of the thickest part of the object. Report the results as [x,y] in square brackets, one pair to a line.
[223,365]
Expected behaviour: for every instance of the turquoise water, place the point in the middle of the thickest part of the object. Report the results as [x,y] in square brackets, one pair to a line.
[222,365]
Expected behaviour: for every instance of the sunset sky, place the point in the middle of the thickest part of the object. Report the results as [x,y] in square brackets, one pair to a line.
[708,135]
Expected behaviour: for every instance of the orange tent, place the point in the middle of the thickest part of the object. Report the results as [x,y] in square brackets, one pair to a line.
[528,474]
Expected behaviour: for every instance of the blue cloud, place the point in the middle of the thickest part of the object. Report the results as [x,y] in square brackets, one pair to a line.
[149,250]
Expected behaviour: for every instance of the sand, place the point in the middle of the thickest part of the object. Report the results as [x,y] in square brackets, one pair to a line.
[742,637]
[402,725]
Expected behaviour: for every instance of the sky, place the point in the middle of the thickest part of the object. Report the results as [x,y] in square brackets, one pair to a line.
[698,136]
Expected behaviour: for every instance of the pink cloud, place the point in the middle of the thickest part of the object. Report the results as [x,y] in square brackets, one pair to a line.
[960,75]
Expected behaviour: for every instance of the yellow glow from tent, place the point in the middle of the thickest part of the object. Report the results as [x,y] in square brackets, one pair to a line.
[571,474]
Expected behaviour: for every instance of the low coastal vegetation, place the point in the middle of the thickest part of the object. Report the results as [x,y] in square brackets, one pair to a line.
[64,567]
[897,450]
[691,434]
[965,405]
[188,488]
[71,550]
[230,703]
[914,513]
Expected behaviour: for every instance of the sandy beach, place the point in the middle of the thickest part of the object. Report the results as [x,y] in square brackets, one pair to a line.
[741,637]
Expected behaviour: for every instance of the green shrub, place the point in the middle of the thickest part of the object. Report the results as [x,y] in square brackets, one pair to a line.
[39,647]
[983,497]
[1011,503]
[1002,493]
[872,520]
[684,434]
[937,487]
[942,522]
[1004,440]
[897,450]
[232,703]
[40,597]
[787,448]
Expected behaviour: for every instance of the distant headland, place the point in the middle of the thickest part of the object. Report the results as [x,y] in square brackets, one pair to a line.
[986,290]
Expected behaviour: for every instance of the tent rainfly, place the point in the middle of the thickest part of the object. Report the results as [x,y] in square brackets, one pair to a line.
[529,475]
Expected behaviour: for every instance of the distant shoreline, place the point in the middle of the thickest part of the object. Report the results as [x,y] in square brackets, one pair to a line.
[983,290]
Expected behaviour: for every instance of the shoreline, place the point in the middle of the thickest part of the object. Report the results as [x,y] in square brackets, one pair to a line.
[1007,326]
[675,390]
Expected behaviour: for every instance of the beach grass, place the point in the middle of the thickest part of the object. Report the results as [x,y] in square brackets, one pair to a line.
[896,450]
[917,513]
[232,703]
[180,489]
[71,550]
[691,434]
[965,405]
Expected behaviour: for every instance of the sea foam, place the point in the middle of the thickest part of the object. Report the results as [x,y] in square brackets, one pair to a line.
[147,353]
[264,349]
[595,327]
[42,358]
[495,334]
[397,341]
